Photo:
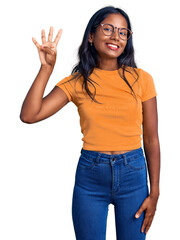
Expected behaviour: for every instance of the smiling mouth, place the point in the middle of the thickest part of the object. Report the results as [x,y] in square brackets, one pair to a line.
[112,46]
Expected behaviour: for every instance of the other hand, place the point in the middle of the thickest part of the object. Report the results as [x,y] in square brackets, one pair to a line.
[149,205]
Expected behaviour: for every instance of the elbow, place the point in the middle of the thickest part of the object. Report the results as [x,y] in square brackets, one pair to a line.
[25,119]
[154,141]
[150,138]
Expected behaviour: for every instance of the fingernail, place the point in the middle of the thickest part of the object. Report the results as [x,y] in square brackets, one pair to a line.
[137,216]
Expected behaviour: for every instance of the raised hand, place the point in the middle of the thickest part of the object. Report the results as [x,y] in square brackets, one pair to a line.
[48,50]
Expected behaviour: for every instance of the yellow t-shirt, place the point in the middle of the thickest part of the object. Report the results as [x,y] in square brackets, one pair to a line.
[116,124]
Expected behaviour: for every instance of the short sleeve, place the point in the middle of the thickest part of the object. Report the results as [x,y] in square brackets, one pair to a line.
[67,87]
[148,86]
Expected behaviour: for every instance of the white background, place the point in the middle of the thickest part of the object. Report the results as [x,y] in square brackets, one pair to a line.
[38,161]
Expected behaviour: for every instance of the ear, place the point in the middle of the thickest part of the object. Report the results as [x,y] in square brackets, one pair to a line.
[90,39]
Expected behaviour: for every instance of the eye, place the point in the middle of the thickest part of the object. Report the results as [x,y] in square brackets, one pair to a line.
[123,32]
[107,29]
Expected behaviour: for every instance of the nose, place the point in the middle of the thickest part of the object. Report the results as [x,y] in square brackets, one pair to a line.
[115,34]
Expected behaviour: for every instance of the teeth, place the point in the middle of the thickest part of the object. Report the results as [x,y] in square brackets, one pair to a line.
[112,45]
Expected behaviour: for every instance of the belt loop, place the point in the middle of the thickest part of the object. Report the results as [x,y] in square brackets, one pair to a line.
[124,159]
[98,157]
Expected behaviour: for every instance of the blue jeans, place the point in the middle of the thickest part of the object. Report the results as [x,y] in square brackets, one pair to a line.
[101,179]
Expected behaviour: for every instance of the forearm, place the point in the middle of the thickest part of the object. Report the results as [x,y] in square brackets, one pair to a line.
[33,100]
[152,153]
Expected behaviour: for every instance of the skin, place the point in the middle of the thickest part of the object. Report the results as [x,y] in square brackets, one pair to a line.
[36,108]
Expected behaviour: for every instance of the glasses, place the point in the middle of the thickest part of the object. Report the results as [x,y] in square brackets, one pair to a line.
[109,29]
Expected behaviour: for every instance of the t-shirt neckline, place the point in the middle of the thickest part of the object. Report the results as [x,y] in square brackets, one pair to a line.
[106,71]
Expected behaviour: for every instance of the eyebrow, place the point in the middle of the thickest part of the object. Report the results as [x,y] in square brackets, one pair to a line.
[113,25]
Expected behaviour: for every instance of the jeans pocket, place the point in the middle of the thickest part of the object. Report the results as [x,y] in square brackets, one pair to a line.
[86,162]
[137,162]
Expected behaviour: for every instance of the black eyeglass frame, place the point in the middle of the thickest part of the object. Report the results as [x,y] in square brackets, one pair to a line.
[130,32]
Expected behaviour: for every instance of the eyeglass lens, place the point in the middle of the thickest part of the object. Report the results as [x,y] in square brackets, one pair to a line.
[123,33]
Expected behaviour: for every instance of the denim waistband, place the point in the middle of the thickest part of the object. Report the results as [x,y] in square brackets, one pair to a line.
[103,157]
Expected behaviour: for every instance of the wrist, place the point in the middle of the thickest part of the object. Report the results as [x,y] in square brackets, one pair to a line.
[155,191]
[47,67]
[154,196]
[154,186]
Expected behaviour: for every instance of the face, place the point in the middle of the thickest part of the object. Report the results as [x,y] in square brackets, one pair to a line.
[100,40]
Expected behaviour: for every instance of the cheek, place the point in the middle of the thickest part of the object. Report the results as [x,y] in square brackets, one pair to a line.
[99,46]
[99,42]
[124,44]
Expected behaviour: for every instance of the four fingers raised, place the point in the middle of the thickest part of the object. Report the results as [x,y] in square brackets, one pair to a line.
[50,36]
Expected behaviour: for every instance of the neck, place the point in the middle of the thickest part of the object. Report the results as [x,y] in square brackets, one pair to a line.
[108,65]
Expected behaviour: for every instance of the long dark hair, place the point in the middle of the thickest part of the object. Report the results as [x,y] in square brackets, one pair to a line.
[89,57]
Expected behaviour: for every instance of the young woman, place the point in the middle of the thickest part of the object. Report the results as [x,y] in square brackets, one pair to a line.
[112,166]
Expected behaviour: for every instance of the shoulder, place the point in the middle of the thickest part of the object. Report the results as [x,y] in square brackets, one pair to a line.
[69,78]
[133,70]
[144,73]
[144,77]
[140,71]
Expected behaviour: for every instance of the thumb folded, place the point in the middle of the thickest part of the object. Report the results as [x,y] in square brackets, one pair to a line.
[48,50]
